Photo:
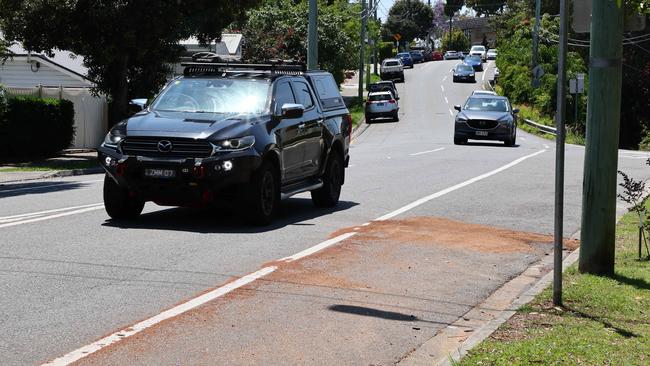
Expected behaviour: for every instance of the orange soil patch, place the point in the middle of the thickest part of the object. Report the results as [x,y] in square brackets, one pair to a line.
[449,233]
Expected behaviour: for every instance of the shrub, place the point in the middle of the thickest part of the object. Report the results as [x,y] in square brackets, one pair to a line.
[385,50]
[35,127]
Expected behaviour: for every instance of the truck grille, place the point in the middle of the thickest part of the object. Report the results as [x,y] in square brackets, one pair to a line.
[480,124]
[166,147]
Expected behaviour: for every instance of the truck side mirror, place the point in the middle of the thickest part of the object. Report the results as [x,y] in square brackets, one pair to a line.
[291,110]
[457,107]
[137,105]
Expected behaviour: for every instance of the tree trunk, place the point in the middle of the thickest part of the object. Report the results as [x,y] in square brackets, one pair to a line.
[118,108]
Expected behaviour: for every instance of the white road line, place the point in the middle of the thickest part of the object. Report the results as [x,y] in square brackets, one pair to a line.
[443,88]
[522,138]
[317,248]
[48,186]
[43,218]
[177,310]
[451,112]
[546,146]
[426,199]
[37,213]
[426,152]
[446,100]
[444,79]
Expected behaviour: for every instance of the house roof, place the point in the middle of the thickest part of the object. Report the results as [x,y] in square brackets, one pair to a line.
[64,60]
[471,23]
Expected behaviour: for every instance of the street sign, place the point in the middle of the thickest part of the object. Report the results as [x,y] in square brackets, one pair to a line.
[582,18]
[538,72]
[397,36]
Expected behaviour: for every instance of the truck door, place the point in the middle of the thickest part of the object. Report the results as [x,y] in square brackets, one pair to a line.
[311,129]
[288,135]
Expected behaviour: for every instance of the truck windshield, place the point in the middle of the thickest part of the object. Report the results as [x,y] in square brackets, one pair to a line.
[212,95]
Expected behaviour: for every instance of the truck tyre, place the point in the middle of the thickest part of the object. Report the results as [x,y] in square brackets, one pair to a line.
[263,195]
[119,204]
[328,195]
[459,141]
[368,119]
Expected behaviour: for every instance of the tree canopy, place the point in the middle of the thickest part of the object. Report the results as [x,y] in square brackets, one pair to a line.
[126,44]
[452,6]
[486,7]
[410,19]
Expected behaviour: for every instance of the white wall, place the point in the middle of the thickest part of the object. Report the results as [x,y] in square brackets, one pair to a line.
[16,72]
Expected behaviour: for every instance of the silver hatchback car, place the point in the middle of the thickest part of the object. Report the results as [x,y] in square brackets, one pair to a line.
[381,104]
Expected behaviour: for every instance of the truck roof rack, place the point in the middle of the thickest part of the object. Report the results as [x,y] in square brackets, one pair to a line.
[213,65]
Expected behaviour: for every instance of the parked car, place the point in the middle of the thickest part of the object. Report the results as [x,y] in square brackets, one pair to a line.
[478,50]
[436,56]
[381,104]
[486,117]
[475,62]
[406,59]
[254,133]
[491,54]
[463,72]
[384,86]
[417,56]
[483,92]
[451,55]
[392,69]
[496,74]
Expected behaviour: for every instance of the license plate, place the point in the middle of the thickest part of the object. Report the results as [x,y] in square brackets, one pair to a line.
[380,104]
[481,133]
[159,173]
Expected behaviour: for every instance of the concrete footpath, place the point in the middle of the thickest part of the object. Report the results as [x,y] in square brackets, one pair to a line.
[68,163]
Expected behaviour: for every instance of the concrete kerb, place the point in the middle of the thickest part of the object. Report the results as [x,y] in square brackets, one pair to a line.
[51,174]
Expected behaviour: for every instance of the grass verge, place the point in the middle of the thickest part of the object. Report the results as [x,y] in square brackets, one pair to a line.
[357,111]
[604,321]
[50,166]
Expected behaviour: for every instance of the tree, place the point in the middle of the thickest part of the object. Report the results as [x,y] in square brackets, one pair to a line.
[451,7]
[440,21]
[409,18]
[459,41]
[126,44]
[486,7]
[278,29]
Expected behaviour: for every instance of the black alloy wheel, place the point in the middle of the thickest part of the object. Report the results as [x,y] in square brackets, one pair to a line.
[263,195]
[328,195]
[119,204]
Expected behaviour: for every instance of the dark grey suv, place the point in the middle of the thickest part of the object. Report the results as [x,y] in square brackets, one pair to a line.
[486,117]
[253,133]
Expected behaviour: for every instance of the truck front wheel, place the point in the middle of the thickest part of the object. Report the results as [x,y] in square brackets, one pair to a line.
[119,204]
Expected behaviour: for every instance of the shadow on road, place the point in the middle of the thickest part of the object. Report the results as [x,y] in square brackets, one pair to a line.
[225,219]
[19,189]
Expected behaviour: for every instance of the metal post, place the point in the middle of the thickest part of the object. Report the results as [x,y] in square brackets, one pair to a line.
[374,52]
[312,44]
[575,112]
[362,49]
[368,67]
[449,45]
[597,239]
[559,155]
[538,6]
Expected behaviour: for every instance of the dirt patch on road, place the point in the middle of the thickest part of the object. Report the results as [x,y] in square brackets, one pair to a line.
[454,234]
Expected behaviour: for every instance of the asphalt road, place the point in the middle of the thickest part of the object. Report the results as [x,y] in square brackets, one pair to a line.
[70,276]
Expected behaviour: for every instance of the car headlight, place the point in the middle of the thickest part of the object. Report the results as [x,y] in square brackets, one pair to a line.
[236,144]
[115,135]
[506,121]
[472,74]
[461,119]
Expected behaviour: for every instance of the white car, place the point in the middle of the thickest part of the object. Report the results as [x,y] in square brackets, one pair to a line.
[491,54]
[381,104]
[478,50]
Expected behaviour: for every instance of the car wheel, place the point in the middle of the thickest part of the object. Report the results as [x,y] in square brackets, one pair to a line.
[459,141]
[263,195]
[368,119]
[119,204]
[396,116]
[455,80]
[328,195]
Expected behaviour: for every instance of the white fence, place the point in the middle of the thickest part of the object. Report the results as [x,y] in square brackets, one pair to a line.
[90,112]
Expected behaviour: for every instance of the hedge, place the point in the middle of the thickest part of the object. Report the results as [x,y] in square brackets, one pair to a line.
[34,127]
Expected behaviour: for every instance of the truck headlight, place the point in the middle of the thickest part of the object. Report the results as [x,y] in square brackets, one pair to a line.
[115,135]
[236,144]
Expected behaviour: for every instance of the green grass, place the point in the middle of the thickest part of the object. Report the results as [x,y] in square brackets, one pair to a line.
[50,166]
[605,320]
[527,112]
[357,111]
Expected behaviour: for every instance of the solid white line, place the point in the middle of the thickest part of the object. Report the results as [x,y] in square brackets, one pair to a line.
[426,199]
[442,87]
[316,248]
[28,221]
[446,100]
[48,186]
[426,152]
[139,327]
[37,213]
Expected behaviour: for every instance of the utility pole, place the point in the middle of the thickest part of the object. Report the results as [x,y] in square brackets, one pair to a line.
[374,52]
[559,154]
[368,66]
[601,148]
[312,38]
[362,49]
[538,10]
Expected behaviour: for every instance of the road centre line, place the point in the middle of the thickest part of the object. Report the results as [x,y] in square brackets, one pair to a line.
[444,79]
[223,290]
[84,351]
[43,218]
[426,152]
[446,100]
[451,112]
[426,199]
[48,186]
[443,88]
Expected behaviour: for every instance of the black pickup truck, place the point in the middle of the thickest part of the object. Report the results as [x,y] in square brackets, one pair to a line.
[256,133]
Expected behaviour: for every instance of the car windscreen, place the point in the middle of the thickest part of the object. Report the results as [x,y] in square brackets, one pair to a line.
[402,55]
[486,104]
[379,97]
[473,59]
[464,68]
[391,63]
[212,95]
[478,48]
